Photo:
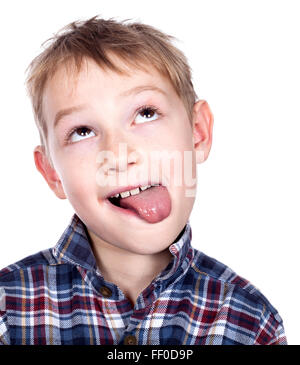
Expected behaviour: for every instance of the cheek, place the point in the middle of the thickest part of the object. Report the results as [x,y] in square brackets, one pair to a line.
[179,134]
[172,135]
[78,177]
[177,163]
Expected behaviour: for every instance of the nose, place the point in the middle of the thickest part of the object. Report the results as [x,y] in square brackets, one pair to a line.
[125,157]
[118,159]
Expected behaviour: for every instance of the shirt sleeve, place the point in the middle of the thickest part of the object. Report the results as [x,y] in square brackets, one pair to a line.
[271,331]
[4,333]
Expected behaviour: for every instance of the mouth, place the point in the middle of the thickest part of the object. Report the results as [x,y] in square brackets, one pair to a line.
[152,202]
[115,198]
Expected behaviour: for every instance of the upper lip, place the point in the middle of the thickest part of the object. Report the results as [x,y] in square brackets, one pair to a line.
[120,189]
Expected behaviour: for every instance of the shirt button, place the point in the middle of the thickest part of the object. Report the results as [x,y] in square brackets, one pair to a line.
[105,291]
[130,340]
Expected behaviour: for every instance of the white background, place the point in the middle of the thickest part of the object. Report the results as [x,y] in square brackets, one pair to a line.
[245,60]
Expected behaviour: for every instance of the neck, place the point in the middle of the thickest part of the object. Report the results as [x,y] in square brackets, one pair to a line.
[131,272]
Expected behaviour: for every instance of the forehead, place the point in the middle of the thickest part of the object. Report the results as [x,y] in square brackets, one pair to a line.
[96,87]
[68,84]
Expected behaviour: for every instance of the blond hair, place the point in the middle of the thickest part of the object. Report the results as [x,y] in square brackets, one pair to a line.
[135,43]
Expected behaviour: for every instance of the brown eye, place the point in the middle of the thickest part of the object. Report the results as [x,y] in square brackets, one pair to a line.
[146,114]
[81,133]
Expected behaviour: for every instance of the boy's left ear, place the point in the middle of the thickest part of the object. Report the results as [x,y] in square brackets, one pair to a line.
[202,129]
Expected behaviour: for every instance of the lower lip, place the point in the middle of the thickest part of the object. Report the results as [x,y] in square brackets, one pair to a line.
[127,212]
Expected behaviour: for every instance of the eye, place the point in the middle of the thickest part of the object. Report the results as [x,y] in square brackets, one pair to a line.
[80,133]
[146,114]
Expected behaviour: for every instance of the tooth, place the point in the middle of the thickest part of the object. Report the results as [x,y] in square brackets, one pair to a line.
[116,196]
[155,185]
[143,187]
[125,194]
[134,191]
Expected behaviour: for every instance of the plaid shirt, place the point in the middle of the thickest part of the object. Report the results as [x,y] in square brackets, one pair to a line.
[58,296]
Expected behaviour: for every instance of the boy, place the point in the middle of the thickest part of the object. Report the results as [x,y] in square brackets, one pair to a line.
[112,101]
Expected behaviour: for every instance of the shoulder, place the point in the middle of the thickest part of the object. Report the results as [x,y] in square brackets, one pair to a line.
[243,294]
[18,282]
[18,270]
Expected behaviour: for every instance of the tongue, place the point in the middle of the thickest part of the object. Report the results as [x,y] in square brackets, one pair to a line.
[153,204]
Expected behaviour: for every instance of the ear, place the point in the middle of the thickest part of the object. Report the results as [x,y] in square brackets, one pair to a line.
[202,130]
[45,168]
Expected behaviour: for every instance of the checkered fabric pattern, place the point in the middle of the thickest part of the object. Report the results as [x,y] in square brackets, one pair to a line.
[58,296]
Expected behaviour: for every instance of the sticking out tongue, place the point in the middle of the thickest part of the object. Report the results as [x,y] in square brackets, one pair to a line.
[153,204]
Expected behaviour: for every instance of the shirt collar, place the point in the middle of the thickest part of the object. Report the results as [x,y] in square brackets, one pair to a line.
[74,247]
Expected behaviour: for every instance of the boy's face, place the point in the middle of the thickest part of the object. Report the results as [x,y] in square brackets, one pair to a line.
[109,121]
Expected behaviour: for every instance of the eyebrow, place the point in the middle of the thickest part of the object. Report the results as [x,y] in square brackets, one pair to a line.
[68,111]
[139,89]
[136,90]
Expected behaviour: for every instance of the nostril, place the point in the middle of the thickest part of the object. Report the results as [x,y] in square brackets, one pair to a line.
[134,157]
